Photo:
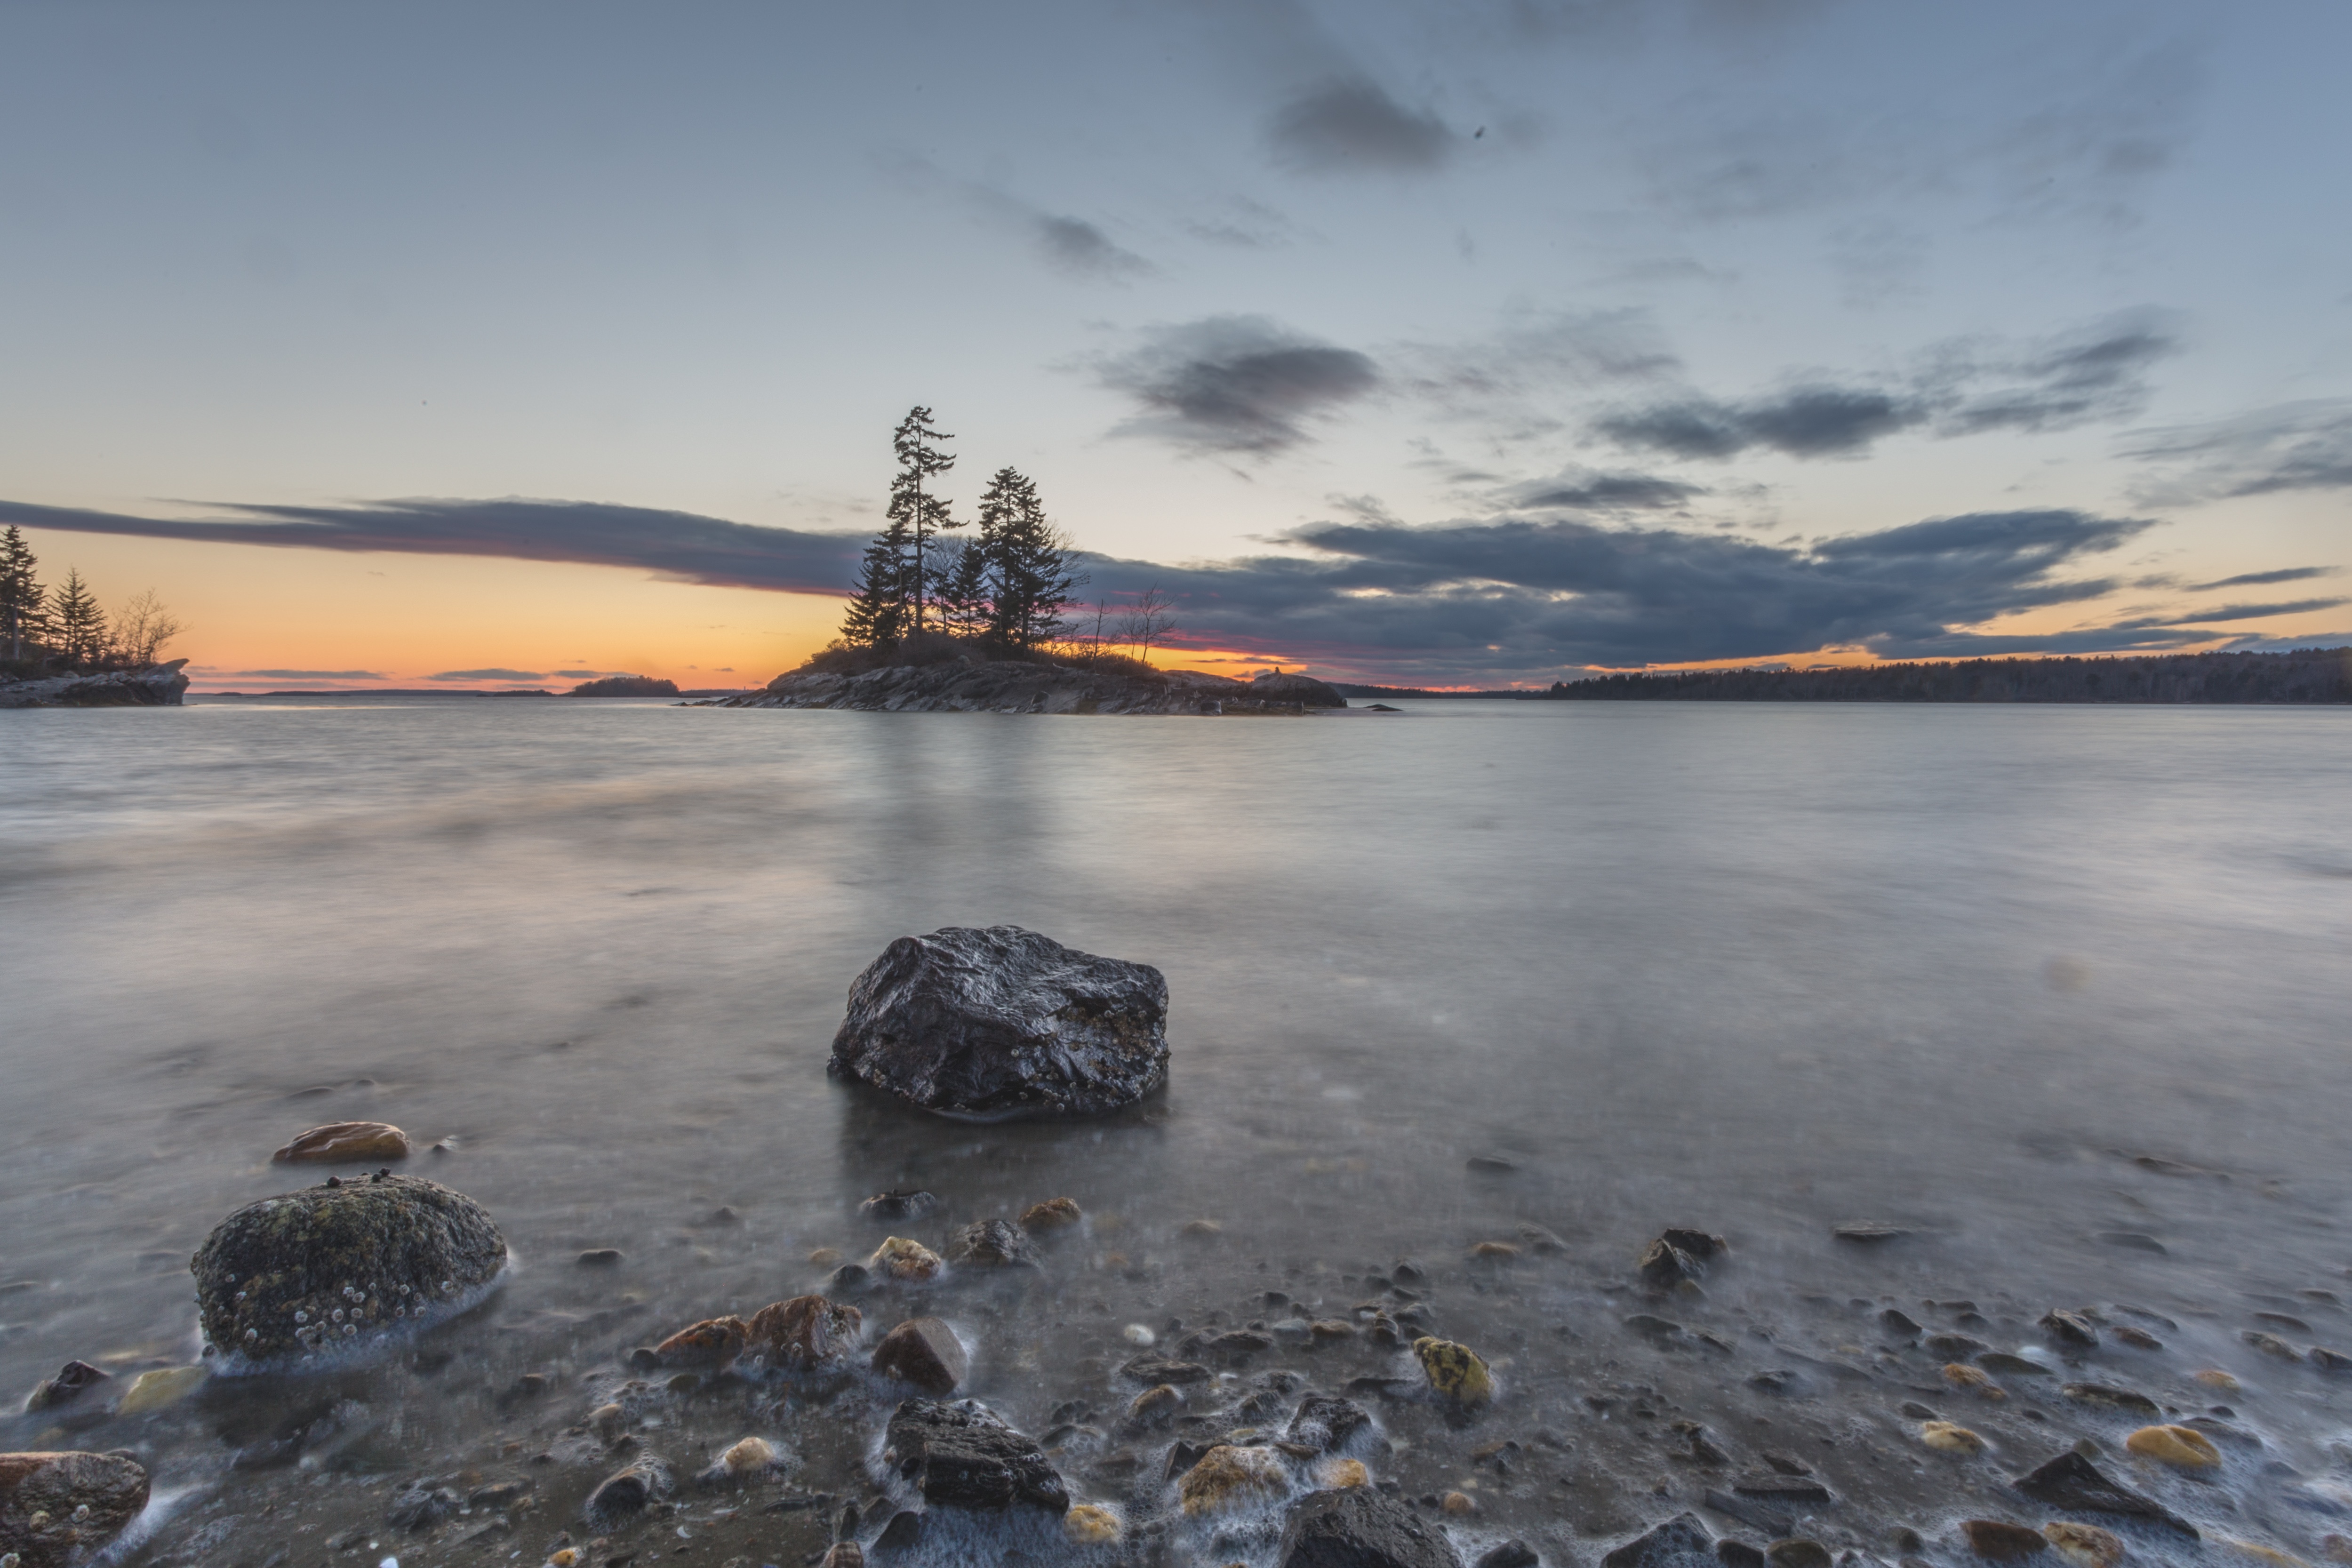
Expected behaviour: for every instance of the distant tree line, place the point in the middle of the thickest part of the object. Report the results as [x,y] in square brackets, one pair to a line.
[2305,675]
[48,629]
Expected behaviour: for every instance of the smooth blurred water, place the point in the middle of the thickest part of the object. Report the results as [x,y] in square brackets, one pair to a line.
[1760,968]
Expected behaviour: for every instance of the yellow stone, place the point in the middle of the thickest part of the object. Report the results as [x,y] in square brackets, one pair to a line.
[1454,1371]
[345,1143]
[564,1557]
[1975,1379]
[1155,1403]
[2183,1448]
[1202,1229]
[1228,1477]
[2267,1553]
[154,1390]
[1339,1475]
[2214,1377]
[1461,1505]
[1053,1213]
[750,1456]
[2084,1546]
[898,1258]
[1494,1252]
[825,1256]
[1089,1525]
[1947,1438]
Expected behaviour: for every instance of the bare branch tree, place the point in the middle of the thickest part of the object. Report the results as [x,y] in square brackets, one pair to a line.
[1147,622]
[141,627]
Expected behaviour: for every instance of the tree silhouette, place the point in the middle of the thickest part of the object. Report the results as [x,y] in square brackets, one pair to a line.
[142,628]
[877,612]
[77,626]
[22,598]
[913,506]
[1149,621]
[1031,568]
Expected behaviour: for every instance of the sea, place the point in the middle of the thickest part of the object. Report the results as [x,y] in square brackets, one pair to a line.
[2061,995]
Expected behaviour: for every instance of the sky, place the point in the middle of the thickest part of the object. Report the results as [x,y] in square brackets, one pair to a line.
[1490,342]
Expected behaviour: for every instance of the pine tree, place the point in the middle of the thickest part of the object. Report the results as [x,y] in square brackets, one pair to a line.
[77,626]
[22,598]
[963,587]
[877,612]
[913,506]
[1031,568]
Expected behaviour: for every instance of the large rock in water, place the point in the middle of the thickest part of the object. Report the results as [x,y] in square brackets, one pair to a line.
[343,1264]
[986,1024]
[60,1509]
[963,1455]
[1357,1527]
[1273,686]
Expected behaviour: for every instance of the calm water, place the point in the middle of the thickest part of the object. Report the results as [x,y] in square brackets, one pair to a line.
[1760,969]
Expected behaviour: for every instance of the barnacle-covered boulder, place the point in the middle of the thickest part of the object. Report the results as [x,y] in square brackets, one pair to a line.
[342,1265]
[60,1508]
[987,1025]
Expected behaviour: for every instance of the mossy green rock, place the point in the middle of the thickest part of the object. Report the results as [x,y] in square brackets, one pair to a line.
[342,1266]
[1454,1371]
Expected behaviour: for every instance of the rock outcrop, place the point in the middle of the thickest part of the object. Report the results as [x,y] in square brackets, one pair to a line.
[966,685]
[157,686]
[988,1025]
[340,1265]
[59,1509]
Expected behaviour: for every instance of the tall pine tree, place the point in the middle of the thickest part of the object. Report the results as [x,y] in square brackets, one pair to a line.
[963,587]
[21,595]
[1031,569]
[77,626]
[913,505]
[877,611]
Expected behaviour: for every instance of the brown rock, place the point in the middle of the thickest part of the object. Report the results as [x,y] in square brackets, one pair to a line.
[74,1379]
[1998,1540]
[805,1331]
[711,1345]
[345,1143]
[901,1259]
[2084,1545]
[1228,1477]
[57,1508]
[1053,1213]
[925,1352]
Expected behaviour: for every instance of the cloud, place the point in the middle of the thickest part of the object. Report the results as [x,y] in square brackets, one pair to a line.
[1482,599]
[302,675]
[1351,125]
[1079,248]
[1236,384]
[2261,579]
[1589,491]
[590,674]
[487,674]
[2256,612]
[1964,388]
[674,544]
[2304,446]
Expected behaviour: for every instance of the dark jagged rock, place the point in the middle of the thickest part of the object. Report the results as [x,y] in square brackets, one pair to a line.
[73,1380]
[985,1024]
[342,1264]
[1671,1545]
[43,1496]
[804,1332]
[925,1353]
[1325,1422]
[157,686]
[910,1204]
[421,1505]
[1358,1527]
[2071,1481]
[1512,1554]
[994,1244]
[1999,1541]
[962,1455]
[624,1494]
[2071,1329]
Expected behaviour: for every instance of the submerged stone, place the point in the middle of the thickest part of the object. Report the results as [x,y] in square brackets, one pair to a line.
[626,1494]
[339,1263]
[73,1380]
[1002,1022]
[711,1345]
[1228,1477]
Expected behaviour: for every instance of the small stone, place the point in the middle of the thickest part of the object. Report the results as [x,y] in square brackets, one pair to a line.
[1997,1540]
[1202,1229]
[1798,1552]
[1457,1505]
[72,1381]
[909,1262]
[711,1345]
[344,1144]
[746,1461]
[1139,1334]
[2137,1241]
[1088,1524]
[1670,1545]
[1491,1164]
[1954,1347]
[1327,1330]
[1360,1527]
[2071,1329]
[2270,1345]
[1053,1213]
[1326,1423]
[1868,1233]
[2213,1377]
[420,1505]
[2330,1361]
[2182,1448]
[154,1390]
[1662,1265]
[1162,1369]
[2070,1482]
[1900,1324]
[2114,1398]
[804,1332]
[2138,1339]
[1160,1403]
[825,1256]
[1228,1477]
[1961,1376]
[925,1353]
[607,1420]
[849,1278]
[1454,1371]
[2084,1546]
[1946,1437]
[992,1244]
[1493,1252]
[1509,1555]
[2008,1365]
[600,1257]
[1539,1241]
[1333,1475]
[910,1204]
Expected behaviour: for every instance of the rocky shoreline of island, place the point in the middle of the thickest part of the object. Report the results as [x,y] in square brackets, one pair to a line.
[969,684]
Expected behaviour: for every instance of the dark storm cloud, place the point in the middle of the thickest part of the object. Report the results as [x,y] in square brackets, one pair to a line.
[2262,579]
[1484,599]
[2301,446]
[1351,125]
[1077,247]
[668,543]
[1236,384]
[1960,389]
[1604,493]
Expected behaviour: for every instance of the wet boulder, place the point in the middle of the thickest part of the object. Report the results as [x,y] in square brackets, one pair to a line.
[624,1494]
[1358,1527]
[711,1345]
[992,1244]
[1328,1424]
[60,1508]
[2071,1482]
[73,1380]
[1682,1539]
[342,1265]
[962,1455]
[804,1332]
[924,1352]
[987,1025]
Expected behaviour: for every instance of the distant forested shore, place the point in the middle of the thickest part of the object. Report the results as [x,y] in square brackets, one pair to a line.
[2305,675]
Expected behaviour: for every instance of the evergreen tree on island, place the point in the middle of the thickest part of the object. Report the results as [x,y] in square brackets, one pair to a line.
[877,610]
[1031,568]
[913,507]
[21,597]
[77,626]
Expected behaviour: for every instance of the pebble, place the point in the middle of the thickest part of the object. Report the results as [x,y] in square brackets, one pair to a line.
[72,1381]
[1458,1505]
[600,1257]
[1494,1252]
[992,1244]
[1156,1404]
[804,1332]
[1053,1213]
[344,1142]
[1491,1164]
[825,1258]
[1946,1437]
[2182,1448]
[2071,1329]
[2138,1339]
[1961,1376]
[1336,1475]
[1229,1478]
[2084,1546]
[2270,1345]
[1088,1524]
[2326,1360]
[1137,1334]
[711,1345]
[2214,1377]
[1868,1233]
[1324,1331]
[2113,1398]
[154,1390]
[1998,1540]
[925,1353]
[910,1204]
[1454,1371]
[899,1258]
[1202,1229]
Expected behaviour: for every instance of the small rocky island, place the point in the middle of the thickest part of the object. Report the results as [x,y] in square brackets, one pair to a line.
[966,684]
[151,686]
